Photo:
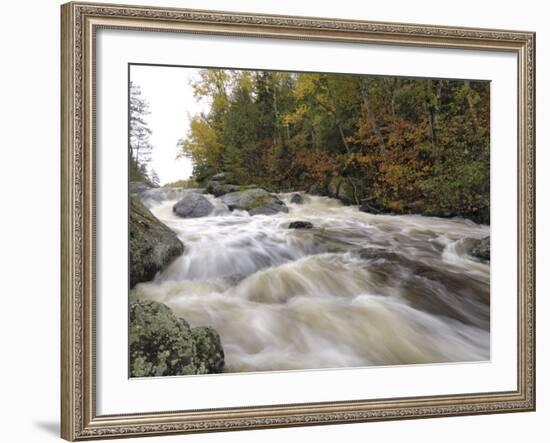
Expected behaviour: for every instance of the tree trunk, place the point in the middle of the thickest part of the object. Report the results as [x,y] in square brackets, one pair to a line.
[433,101]
[473,112]
[343,137]
[354,186]
[371,117]
[276,112]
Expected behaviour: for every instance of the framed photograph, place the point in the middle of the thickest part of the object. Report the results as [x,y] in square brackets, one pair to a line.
[284,221]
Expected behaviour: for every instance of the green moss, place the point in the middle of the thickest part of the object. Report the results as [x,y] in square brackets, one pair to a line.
[246,187]
[262,200]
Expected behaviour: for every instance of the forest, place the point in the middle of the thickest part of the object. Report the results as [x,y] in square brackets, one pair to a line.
[392,144]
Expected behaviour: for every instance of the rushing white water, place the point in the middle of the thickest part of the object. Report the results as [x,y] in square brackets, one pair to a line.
[357,290]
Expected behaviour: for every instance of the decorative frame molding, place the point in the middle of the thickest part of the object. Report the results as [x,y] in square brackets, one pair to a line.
[79,21]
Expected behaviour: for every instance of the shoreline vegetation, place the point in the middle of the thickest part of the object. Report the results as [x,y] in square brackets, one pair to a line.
[386,145]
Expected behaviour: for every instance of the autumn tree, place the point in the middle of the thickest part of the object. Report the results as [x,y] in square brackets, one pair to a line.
[401,144]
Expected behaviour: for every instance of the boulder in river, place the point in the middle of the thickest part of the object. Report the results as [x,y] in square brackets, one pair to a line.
[193,205]
[372,206]
[482,249]
[300,225]
[218,189]
[153,246]
[256,201]
[296,199]
[162,344]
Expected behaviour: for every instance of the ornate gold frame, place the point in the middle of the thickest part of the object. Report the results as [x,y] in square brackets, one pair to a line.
[79,21]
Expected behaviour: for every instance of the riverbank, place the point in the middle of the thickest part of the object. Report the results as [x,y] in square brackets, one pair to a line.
[342,189]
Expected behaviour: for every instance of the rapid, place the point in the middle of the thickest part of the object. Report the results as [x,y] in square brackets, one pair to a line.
[356,290]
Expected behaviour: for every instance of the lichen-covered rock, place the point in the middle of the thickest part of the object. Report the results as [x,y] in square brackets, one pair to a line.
[153,246]
[482,249]
[162,344]
[209,352]
[296,199]
[300,225]
[193,205]
[256,201]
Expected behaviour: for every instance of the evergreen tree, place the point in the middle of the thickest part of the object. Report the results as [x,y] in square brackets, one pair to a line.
[140,146]
[241,129]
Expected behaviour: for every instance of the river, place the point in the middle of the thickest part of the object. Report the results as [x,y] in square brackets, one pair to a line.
[356,290]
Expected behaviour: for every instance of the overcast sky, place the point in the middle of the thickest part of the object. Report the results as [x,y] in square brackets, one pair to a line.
[171,102]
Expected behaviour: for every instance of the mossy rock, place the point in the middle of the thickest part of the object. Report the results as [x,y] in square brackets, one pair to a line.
[255,200]
[162,344]
[260,201]
[218,189]
[153,245]
[247,187]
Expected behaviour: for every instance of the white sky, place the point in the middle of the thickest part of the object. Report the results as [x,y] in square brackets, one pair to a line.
[171,102]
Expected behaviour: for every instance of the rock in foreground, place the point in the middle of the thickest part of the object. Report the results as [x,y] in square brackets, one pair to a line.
[482,249]
[193,205]
[153,246]
[256,201]
[162,344]
[300,225]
